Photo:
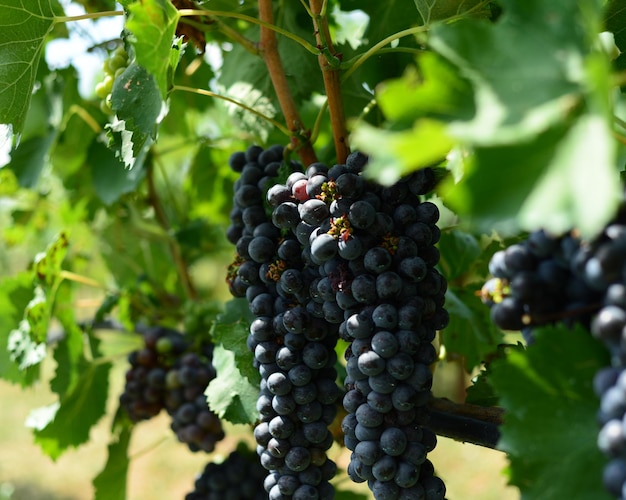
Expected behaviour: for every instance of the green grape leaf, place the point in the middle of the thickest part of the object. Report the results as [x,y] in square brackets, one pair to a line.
[69,350]
[37,315]
[15,294]
[110,179]
[436,89]
[231,395]
[470,331]
[28,161]
[48,264]
[231,330]
[551,409]
[153,26]
[434,10]
[615,20]
[538,144]
[498,179]
[394,154]
[138,106]
[79,410]
[425,8]
[517,49]
[23,350]
[555,201]
[418,105]
[110,483]
[459,251]
[24,26]
[69,152]
[481,392]
[210,187]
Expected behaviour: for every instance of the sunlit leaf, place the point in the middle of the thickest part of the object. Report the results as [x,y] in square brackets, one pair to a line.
[231,395]
[138,106]
[24,25]
[153,26]
[395,154]
[231,330]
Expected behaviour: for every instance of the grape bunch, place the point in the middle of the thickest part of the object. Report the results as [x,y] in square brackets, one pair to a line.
[295,356]
[342,257]
[239,477]
[540,280]
[167,374]
[145,388]
[548,279]
[376,254]
[113,66]
[605,269]
[192,420]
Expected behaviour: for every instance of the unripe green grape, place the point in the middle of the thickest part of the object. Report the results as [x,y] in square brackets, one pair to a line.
[108,83]
[164,345]
[101,90]
[117,61]
[105,105]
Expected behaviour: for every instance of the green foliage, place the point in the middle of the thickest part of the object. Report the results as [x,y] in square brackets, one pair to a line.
[470,332]
[138,104]
[229,330]
[551,412]
[231,395]
[78,411]
[110,483]
[20,52]
[15,294]
[153,25]
[616,23]
[526,137]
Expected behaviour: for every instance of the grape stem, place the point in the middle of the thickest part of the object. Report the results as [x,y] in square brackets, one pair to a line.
[269,50]
[465,422]
[330,63]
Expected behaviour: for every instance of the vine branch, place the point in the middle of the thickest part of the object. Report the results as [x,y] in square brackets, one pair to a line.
[328,61]
[468,423]
[269,51]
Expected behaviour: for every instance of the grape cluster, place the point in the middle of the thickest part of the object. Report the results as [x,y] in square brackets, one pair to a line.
[166,374]
[606,271]
[145,388]
[192,420]
[296,357]
[547,279]
[543,279]
[113,66]
[239,477]
[342,257]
